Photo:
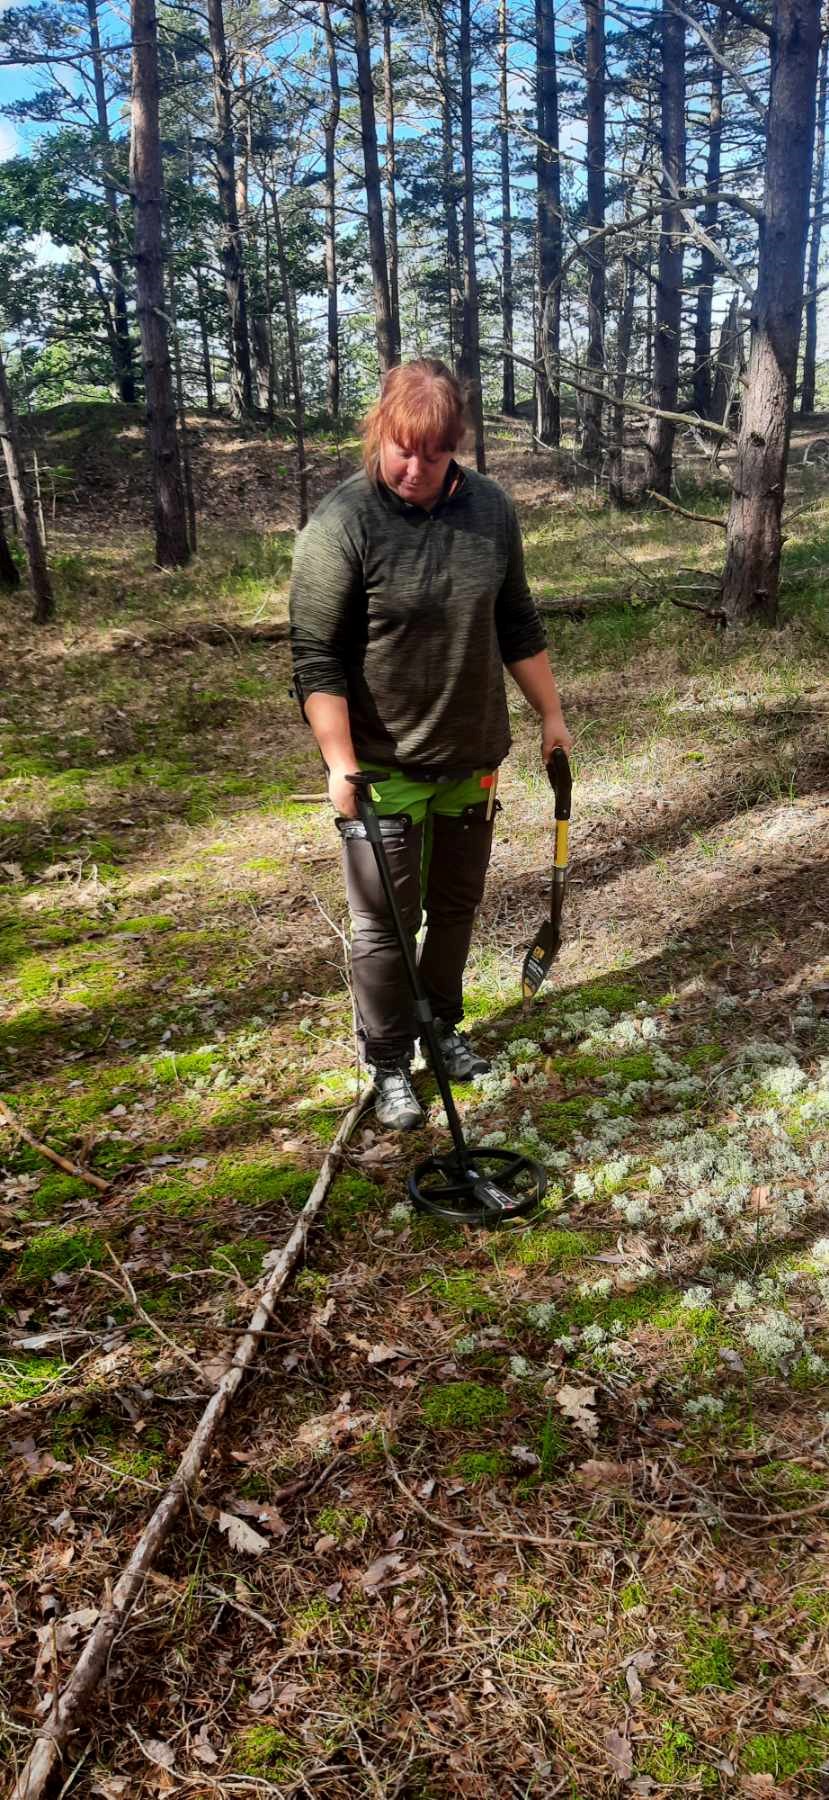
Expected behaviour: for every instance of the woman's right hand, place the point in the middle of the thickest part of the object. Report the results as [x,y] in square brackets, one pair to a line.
[342,793]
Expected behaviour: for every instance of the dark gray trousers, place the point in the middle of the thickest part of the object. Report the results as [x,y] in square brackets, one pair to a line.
[454,886]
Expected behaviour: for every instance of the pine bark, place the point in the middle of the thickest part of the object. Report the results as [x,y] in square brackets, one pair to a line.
[391,177]
[624,335]
[548,177]
[449,188]
[668,323]
[292,337]
[146,181]
[507,307]
[24,506]
[386,352]
[752,564]
[241,377]
[807,394]
[591,443]
[122,354]
[708,265]
[330,124]
[470,360]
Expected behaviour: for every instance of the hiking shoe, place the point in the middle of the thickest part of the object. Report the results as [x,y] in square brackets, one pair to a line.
[396,1104]
[462,1062]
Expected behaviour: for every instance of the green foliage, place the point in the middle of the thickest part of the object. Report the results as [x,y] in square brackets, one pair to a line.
[263,1750]
[461,1293]
[462,1406]
[244,1256]
[480,1465]
[184,1066]
[351,1196]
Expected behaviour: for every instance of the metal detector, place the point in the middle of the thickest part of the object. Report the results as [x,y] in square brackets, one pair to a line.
[545,944]
[471,1184]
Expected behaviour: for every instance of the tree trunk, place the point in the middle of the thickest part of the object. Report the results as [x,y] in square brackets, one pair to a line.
[241,379]
[807,395]
[508,366]
[548,175]
[9,572]
[122,343]
[391,172]
[258,304]
[288,305]
[624,334]
[660,434]
[185,462]
[204,340]
[330,124]
[146,181]
[702,381]
[449,185]
[753,545]
[24,507]
[386,350]
[470,361]
[591,442]
[729,363]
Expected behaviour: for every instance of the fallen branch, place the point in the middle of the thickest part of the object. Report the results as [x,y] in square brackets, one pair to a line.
[698,518]
[577,606]
[73,1698]
[206,633]
[61,1162]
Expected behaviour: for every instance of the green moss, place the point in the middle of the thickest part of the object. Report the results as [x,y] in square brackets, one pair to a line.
[27,1376]
[60,1249]
[266,865]
[814,1602]
[552,1247]
[784,1753]
[245,1256]
[145,924]
[710,1662]
[670,1760]
[553,1446]
[263,1750]
[462,1294]
[142,1465]
[36,978]
[351,1196]
[176,1198]
[615,997]
[559,1121]
[185,1066]
[462,1406]
[308,1619]
[787,1481]
[620,1312]
[341,1524]
[632,1593]
[53,1194]
[480,1465]
[701,1056]
[260,1183]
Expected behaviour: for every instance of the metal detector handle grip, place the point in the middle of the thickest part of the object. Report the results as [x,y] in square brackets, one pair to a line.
[561,782]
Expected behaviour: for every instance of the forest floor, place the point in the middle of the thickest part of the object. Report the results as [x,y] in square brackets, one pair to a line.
[565,1521]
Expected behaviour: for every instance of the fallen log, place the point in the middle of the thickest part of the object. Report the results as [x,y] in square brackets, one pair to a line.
[7,1118]
[70,1703]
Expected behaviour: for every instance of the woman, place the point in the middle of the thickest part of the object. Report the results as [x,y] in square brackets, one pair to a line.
[408,599]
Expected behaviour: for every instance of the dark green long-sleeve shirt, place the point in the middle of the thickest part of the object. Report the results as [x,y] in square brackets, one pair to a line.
[411,615]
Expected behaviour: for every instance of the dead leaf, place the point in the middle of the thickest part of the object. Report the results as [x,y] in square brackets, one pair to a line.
[163,1755]
[597,1474]
[619,1754]
[635,1666]
[380,1569]
[521,1453]
[324,1544]
[759,1787]
[576,1404]
[242,1537]
[110,1787]
[203,1749]
[380,1353]
[60,1634]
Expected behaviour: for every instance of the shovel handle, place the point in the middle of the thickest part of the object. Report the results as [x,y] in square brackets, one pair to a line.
[561,782]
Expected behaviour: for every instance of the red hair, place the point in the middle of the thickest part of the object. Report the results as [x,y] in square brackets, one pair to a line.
[420,406]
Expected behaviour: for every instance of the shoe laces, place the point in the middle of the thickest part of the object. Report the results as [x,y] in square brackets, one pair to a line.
[395,1082]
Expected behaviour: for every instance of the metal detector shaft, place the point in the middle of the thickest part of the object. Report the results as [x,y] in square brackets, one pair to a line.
[423,1011]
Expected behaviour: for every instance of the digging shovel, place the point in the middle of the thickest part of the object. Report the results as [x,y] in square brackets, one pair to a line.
[545,944]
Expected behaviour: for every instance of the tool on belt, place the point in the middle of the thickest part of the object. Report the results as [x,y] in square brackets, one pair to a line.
[545,944]
[470,1184]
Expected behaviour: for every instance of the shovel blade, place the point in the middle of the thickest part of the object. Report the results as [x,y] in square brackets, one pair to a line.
[539,958]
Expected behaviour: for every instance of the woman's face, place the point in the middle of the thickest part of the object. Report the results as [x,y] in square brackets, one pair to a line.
[417,472]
